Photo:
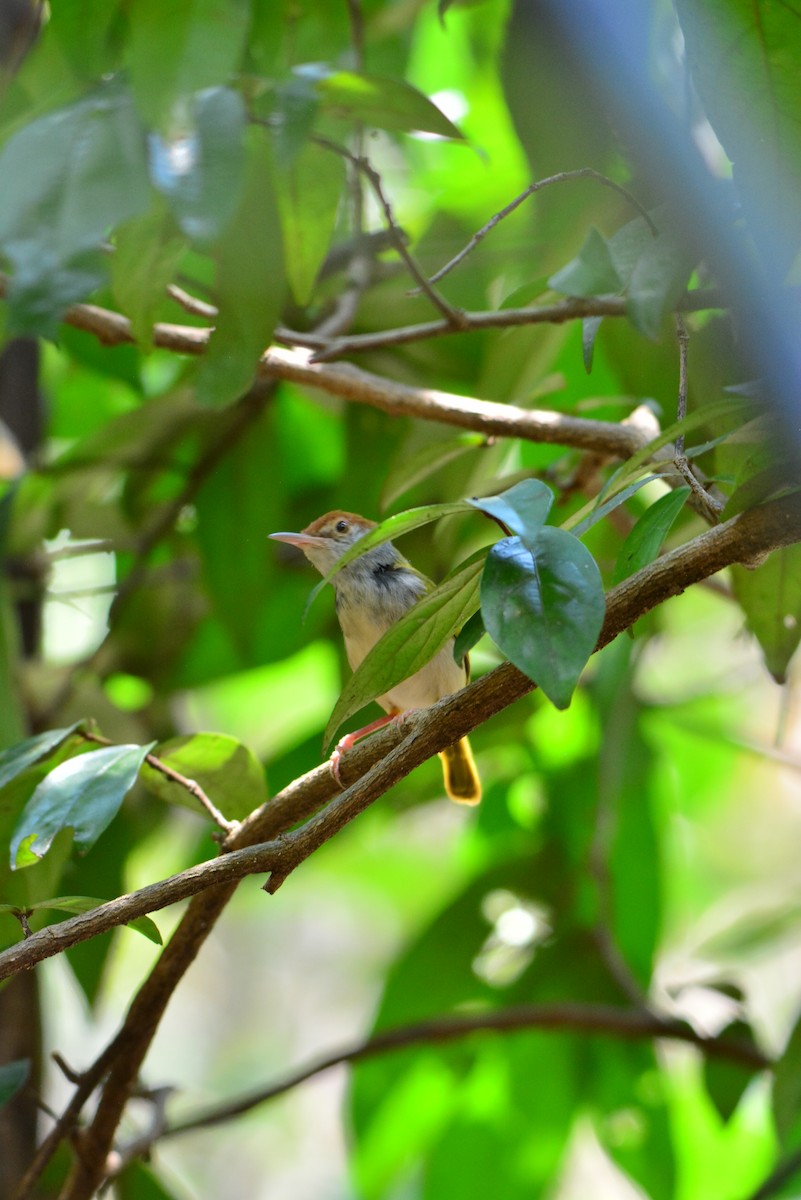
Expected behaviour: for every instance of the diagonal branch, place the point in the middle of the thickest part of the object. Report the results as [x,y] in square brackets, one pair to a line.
[259,844]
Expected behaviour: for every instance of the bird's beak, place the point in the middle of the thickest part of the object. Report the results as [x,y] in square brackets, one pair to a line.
[298,539]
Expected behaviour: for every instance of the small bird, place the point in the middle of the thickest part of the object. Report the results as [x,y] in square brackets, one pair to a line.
[372,593]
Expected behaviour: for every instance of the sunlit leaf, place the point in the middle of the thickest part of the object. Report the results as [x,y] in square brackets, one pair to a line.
[82,794]
[383,102]
[412,641]
[544,608]
[229,773]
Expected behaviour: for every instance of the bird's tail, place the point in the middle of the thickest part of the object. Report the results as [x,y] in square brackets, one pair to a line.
[461,776]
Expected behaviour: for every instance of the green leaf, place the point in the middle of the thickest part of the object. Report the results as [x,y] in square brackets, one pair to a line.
[658,280]
[725,1079]
[82,904]
[787,1091]
[250,284]
[146,256]
[411,642]
[579,522]
[467,637]
[381,102]
[229,773]
[770,597]
[201,173]
[309,190]
[645,540]
[18,758]
[589,332]
[409,469]
[68,177]
[13,1076]
[172,54]
[544,608]
[522,509]
[591,273]
[140,1182]
[82,794]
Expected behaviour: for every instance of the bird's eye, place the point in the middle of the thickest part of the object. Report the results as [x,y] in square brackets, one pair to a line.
[342,526]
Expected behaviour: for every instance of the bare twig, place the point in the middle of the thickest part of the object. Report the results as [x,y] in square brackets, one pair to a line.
[454,317]
[192,304]
[710,507]
[591,1019]
[561,177]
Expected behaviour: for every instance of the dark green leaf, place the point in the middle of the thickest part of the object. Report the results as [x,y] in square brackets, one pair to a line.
[657,282]
[522,509]
[645,540]
[229,773]
[468,636]
[578,524]
[725,1079]
[18,758]
[82,794]
[201,174]
[250,284]
[309,190]
[170,57]
[68,177]
[382,102]
[412,641]
[13,1076]
[591,273]
[770,597]
[544,608]
[787,1091]
[139,1182]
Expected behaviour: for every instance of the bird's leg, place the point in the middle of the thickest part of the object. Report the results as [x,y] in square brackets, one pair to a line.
[350,739]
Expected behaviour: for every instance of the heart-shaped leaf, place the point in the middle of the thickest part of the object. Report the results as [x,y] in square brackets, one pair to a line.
[523,509]
[544,608]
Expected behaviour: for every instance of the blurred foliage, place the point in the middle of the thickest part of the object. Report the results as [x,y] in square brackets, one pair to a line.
[200,168]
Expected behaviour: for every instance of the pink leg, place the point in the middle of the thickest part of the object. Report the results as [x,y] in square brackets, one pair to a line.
[350,739]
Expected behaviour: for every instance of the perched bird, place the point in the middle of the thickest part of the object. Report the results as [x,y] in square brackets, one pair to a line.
[373,592]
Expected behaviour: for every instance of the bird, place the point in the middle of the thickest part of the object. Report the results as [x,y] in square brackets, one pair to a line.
[372,593]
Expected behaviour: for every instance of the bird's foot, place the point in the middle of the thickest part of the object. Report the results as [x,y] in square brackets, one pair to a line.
[350,739]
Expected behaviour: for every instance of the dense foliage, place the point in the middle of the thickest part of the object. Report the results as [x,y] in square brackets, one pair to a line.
[223,230]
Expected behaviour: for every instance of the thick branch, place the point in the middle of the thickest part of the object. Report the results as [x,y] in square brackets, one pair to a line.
[392,754]
[353,384]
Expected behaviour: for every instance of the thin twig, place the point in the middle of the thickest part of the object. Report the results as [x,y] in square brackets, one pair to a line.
[190,785]
[590,1019]
[711,509]
[453,316]
[561,177]
[192,304]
